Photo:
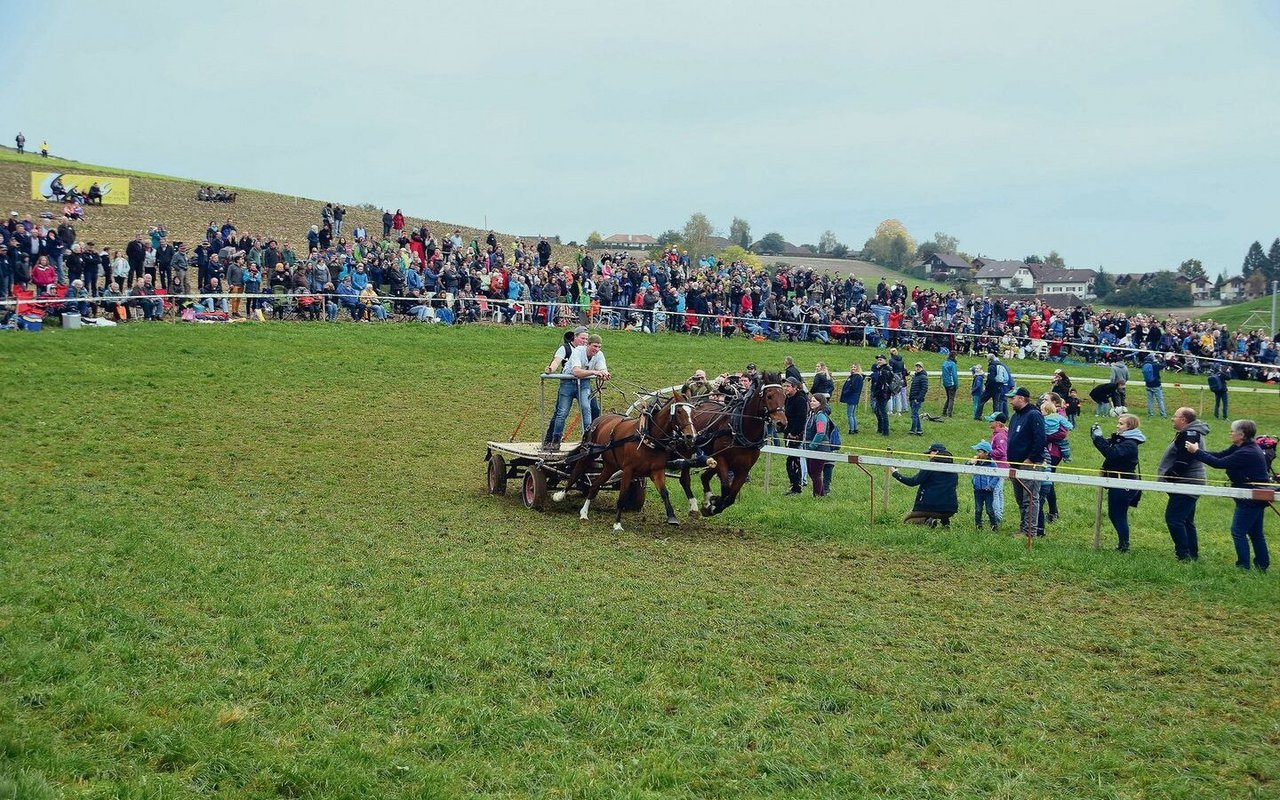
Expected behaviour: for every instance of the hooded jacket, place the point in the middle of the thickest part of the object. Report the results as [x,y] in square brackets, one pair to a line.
[937,490]
[1120,453]
[1179,466]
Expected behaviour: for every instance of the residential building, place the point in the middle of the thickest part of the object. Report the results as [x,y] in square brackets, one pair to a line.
[629,241]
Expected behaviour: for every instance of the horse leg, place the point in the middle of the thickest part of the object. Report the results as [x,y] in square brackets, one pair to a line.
[728,497]
[624,483]
[706,489]
[659,478]
[716,504]
[592,491]
[688,492]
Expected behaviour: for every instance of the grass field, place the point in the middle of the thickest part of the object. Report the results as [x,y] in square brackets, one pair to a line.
[259,561]
[1235,315]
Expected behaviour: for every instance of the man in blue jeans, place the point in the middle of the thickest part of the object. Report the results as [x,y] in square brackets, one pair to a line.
[1179,466]
[915,398]
[584,364]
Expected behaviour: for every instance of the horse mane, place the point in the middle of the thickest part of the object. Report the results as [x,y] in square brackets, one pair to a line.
[770,377]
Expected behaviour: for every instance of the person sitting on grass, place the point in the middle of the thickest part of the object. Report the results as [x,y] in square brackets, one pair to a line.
[935,501]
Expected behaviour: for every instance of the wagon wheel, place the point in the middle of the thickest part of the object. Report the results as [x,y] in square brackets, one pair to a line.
[533,490]
[632,498]
[497,474]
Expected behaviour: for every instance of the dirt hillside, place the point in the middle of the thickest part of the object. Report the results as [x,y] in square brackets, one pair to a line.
[172,202]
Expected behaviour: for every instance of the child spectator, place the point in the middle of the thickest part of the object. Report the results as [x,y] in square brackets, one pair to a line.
[984,487]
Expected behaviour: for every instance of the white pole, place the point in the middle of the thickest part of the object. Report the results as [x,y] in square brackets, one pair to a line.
[1275,288]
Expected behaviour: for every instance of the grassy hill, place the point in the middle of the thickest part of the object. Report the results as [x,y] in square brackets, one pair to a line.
[259,561]
[171,201]
[1236,314]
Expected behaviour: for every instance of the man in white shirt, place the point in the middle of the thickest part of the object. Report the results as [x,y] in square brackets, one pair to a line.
[584,364]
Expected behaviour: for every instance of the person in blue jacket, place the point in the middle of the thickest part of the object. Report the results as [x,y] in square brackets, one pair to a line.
[950,382]
[851,395]
[1246,465]
[979,390]
[935,501]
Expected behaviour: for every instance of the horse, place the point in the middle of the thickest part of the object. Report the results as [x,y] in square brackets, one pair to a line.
[634,447]
[732,434]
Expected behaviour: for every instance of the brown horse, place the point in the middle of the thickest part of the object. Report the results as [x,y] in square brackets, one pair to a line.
[732,434]
[634,447]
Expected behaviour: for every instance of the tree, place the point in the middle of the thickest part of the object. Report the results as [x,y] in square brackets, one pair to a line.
[944,243]
[1192,269]
[1033,259]
[1054,260]
[668,238]
[772,244]
[891,245]
[740,233]
[1254,261]
[594,240]
[742,255]
[1162,290]
[1273,259]
[840,251]
[696,236]
[828,242]
[1103,284]
[926,250]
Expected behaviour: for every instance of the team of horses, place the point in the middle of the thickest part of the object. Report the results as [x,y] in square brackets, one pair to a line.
[673,431]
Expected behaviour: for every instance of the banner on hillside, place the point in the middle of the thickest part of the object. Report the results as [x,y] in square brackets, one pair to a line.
[115,190]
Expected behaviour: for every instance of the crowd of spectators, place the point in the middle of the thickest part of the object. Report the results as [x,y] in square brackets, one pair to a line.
[415,273]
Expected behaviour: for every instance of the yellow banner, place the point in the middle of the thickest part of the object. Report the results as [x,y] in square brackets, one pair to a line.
[115,190]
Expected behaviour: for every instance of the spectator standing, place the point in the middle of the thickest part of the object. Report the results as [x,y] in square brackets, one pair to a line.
[797,408]
[790,370]
[977,390]
[935,501]
[916,396]
[1177,465]
[984,487]
[950,382]
[898,400]
[44,149]
[817,438]
[1218,385]
[1151,367]
[1120,460]
[1246,465]
[1025,449]
[397,221]
[823,383]
[21,142]
[851,396]
[881,391]
[387,219]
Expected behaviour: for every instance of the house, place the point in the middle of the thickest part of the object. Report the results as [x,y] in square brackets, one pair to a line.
[1052,281]
[629,241]
[946,265]
[995,274]
[1241,288]
[1201,288]
[1234,290]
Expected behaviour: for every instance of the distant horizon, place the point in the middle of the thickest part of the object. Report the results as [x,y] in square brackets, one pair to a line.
[1129,136]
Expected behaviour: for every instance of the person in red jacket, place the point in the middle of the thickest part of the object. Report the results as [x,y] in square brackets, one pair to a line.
[397,222]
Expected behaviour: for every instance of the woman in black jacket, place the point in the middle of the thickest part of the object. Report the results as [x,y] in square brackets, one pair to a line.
[1120,460]
[1245,465]
[823,383]
[935,502]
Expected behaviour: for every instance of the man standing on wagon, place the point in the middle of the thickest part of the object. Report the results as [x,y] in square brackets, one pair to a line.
[584,364]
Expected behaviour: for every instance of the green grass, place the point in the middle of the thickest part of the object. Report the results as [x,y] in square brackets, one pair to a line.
[1235,315]
[259,561]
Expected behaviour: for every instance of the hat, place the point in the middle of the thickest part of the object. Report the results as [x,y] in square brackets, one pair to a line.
[1057,372]
[579,329]
[881,357]
[984,446]
[1021,391]
[751,365]
[794,381]
[938,447]
[1001,417]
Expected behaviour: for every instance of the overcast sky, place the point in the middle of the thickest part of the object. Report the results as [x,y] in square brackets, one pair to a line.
[1128,134]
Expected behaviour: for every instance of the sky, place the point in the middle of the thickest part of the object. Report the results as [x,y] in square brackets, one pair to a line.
[1128,135]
